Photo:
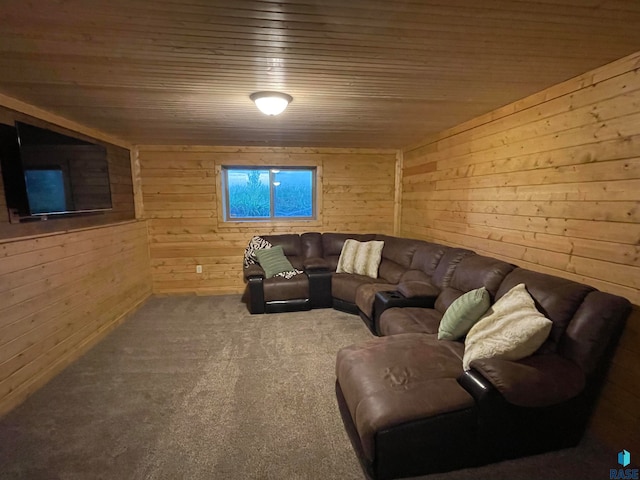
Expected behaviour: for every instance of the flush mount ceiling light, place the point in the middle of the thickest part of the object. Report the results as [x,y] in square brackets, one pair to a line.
[271,103]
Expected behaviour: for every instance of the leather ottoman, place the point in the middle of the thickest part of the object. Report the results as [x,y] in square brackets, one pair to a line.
[403,407]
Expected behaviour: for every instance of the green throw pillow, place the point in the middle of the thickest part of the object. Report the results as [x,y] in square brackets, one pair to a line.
[463,313]
[273,261]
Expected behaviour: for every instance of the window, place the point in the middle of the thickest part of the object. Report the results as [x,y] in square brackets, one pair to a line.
[269,193]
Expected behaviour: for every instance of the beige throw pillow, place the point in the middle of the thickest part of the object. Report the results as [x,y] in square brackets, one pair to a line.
[362,258]
[512,329]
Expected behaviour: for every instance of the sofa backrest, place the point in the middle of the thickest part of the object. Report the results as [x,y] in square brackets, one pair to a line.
[587,323]
[399,250]
[291,246]
[290,243]
[594,330]
[427,257]
[311,244]
[447,265]
[424,263]
[397,254]
[556,298]
[473,271]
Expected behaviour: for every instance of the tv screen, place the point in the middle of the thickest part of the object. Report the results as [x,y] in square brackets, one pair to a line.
[62,174]
[46,190]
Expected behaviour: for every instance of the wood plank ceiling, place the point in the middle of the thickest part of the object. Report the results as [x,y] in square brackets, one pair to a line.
[363,73]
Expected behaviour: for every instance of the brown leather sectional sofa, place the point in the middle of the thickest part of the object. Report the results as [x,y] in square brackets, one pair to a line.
[403,261]
[408,406]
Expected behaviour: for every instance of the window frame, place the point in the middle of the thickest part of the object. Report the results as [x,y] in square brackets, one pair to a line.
[273,170]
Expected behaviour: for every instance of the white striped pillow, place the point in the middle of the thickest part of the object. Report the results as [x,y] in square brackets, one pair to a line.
[362,258]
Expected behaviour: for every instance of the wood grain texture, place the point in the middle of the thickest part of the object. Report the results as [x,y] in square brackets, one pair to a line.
[550,183]
[181,196]
[362,73]
[617,418]
[60,294]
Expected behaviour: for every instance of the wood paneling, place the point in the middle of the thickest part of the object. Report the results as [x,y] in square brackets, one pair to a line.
[363,73]
[120,179]
[66,282]
[181,196]
[60,294]
[617,418]
[550,183]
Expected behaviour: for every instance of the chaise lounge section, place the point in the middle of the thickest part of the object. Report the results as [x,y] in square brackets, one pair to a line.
[410,407]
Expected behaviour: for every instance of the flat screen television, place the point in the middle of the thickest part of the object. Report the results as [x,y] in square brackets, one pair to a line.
[47,173]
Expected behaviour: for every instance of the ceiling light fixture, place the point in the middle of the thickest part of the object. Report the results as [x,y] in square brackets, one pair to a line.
[271,103]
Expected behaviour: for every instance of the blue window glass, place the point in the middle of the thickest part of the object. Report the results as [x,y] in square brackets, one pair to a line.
[249,195]
[269,193]
[293,193]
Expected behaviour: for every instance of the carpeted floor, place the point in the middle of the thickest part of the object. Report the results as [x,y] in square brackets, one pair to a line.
[196,388]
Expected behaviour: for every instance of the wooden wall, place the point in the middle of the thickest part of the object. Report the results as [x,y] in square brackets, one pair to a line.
[181,199]
[551,183]
[65,283]
[61,293]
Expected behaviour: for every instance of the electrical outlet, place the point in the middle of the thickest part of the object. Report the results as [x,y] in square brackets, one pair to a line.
[198,268]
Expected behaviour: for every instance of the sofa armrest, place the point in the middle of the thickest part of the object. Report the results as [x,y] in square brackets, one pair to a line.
[254,275]
[315,263]
[385,300]
[536,381]
[253,270]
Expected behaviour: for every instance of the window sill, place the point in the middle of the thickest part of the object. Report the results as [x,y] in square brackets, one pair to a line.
[261,224]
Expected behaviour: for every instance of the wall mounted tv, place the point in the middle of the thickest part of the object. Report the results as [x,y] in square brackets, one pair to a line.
[47,173]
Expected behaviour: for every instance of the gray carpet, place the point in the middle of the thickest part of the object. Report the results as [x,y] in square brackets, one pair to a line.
[196,388]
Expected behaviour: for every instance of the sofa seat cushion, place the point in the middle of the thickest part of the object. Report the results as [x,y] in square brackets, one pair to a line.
[345,285]
[389,381]
[280,288]
[410,320]
[366,294]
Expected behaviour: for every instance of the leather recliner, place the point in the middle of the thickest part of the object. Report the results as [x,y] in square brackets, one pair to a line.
[279,294]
